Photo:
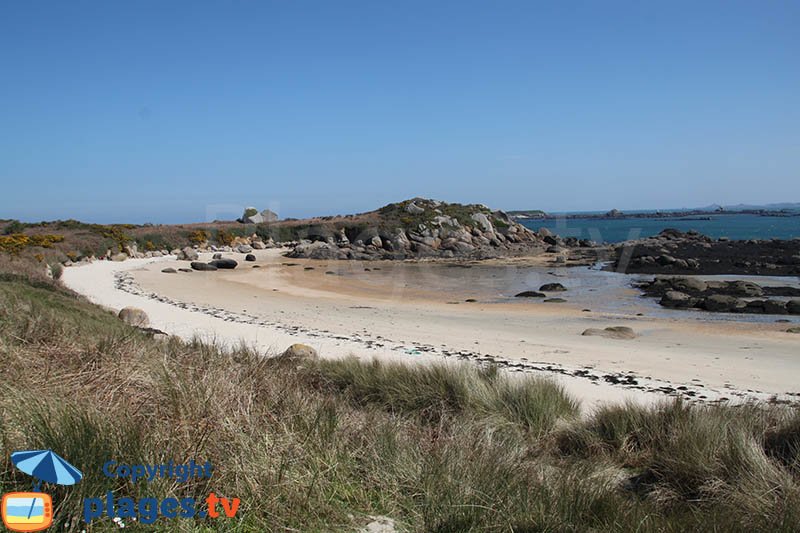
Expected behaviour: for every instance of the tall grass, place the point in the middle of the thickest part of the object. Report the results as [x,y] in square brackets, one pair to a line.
[318,445]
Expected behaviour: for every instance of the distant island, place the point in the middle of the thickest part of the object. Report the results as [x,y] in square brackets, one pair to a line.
[770,210]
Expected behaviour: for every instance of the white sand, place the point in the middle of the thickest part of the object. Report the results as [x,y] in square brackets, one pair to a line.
[341,316]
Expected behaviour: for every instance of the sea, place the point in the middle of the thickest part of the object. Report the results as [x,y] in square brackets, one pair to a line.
[611,230]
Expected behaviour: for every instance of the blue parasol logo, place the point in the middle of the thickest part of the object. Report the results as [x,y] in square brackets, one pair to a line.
[46,465]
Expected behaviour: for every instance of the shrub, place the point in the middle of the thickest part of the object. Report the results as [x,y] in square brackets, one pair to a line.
[15,226]
[198,236]
[225,237]
[17,242]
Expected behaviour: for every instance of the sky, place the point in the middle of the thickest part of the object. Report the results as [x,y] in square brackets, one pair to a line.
[169,112]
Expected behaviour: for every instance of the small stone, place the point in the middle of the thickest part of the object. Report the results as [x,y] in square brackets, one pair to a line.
[530,294]
[612,332]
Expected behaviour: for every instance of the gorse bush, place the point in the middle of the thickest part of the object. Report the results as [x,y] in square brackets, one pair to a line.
[198,236]
[321,445]
[17,242]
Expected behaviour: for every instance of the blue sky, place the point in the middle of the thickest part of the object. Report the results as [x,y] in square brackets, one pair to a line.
[184,111]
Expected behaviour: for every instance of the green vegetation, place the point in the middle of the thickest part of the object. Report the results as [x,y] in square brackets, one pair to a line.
[319,445]
[396,215]
[154,241]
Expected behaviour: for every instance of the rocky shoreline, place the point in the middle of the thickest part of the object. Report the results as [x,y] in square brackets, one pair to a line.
[723,296]
[675,252]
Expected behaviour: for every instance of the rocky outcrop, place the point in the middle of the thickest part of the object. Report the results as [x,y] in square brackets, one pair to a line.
[676,252]
[421,228]
[252,216]
[737,296]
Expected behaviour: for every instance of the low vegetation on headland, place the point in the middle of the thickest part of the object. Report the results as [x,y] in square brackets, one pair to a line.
[324,445]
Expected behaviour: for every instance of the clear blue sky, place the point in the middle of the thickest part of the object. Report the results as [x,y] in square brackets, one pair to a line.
[180,111]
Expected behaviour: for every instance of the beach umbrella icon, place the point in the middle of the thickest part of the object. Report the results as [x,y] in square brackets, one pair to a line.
[46,465]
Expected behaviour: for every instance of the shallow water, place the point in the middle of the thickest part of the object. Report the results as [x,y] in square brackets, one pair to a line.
[587,287]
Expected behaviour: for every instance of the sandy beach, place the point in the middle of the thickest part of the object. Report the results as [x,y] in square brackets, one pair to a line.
[351,308]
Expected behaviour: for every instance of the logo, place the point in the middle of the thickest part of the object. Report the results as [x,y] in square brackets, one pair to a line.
[33,511]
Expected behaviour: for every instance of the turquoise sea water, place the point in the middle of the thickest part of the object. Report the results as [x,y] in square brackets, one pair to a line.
[616,230]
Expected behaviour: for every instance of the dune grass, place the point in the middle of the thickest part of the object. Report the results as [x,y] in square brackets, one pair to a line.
[320,445]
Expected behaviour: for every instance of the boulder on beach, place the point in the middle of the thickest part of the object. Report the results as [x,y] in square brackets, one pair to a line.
[224,263]
[793,330]
[552,287]
[530,294]
[244,248]
[169,270]
[199,265]
[133,316]
[189,254]
[250,257]
[300,351]
[119,257]
[612,332]
[793,307]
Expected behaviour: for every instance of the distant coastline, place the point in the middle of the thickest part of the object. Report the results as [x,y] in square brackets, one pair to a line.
[688,214]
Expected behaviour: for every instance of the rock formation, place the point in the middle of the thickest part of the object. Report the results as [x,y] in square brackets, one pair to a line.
[422,228]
